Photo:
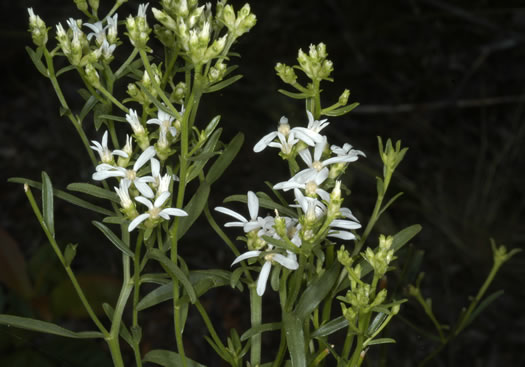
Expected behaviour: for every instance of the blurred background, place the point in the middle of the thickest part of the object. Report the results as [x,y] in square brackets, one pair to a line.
[445,77]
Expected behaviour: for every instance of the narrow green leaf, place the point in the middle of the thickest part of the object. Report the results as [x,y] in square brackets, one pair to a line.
[293,328]
[295,95]
[390,202]
[210,145]
[272,326]
[155,278]
[47,203]
[64,196]
[223,84]
[330,327]
[65,69]
[224,160]
[340,111]
[203,156]
[376,322]
[175,272]
[36,58]
[46,327]
[194,208]
[402,237]
[282,244]
[116,220]
[88,106]
[484,304]
[113,118]
[93,190]
[381,341]
[317,291]
[112,237]
[156,296]
[168,358]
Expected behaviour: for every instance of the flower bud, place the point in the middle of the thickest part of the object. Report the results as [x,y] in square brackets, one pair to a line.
[165,19]
[179,92]
[343,98]
[92,75]
[94,4]
[38,29]
[81,5]
[286,73]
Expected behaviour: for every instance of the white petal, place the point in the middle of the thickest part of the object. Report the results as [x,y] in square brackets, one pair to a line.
[346,224]
[155,167]
[251,225]
[144,157]
[289,262]
[344,235]
[347,213]
[164,213]
[319,148]
[263,278]
[161,199]
[144,201]
[234,224]
[135,222]
[253,205]
[263,143]
[306,156]
[102,175]
[323,194]
[321,176]
[154,121]
[143,188]
[120,153]
[231,213]
[246,255]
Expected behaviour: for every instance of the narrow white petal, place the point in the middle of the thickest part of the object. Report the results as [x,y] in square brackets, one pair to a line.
[253,205]
[246,255]
[154,121]
[102,175]
[321,176]
[319,147]
[135,222]
[161,199]
[155,167]
[263,143]
[347,213]
[120,153]
[263,278]
[234,224]
[251,225]
[323,194]
[289,262]
[231,213]
[344,235]
[306,156]
[144,201]
[173,212]
[346,224]
[143,188]
[144,157]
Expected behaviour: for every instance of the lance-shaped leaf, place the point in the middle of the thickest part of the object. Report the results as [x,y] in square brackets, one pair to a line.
[47,203]
[222,84]
[331,327]
[46,327]
[36,57]
[174,271]
[194,208]
[168,358]
[93,190]
[113,238]
[317,291]
[272,326]
[64,196]
[224,160]
[293,328]
[340,111]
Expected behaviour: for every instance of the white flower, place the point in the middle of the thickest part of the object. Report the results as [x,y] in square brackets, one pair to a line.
[142,10]
[289,261]
[106,155]
[106,50]
[288,137]
[346,150]
[312,131]
[134,121]
[99,31]
[255,222]
[164,120]
[104,171]
[112,28]
[155,211]
[123,194]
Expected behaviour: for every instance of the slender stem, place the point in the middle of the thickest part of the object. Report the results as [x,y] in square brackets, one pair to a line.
[60,256]
[209,325]
[346,347]
[126,63]
[112,99]
[256,319]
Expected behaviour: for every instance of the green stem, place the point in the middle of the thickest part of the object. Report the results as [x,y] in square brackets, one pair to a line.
[60,256]
[346,347]
[126,63]
[136,294]
[256,319]
[209,325]
[112,99]
[465,320]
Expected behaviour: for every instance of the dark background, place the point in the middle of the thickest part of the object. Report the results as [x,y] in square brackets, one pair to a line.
[446,77]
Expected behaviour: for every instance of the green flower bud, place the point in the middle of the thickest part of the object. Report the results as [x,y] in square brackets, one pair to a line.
[165,19]
[344,258]
[286,73]
[395,309]
[343,98]
[94,4]
[38,29]
[92,75]
[179,93]
[81,5]
[70,253]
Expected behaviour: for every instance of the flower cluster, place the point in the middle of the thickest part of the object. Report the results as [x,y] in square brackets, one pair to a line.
[279,239]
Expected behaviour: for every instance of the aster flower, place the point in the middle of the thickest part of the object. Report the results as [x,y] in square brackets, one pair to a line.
[164,120]
[287,136]
[313,129]
[106,155]
[255,221]
[289,261]
[104,171]
[155,211]
[134,121]
[99,32]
